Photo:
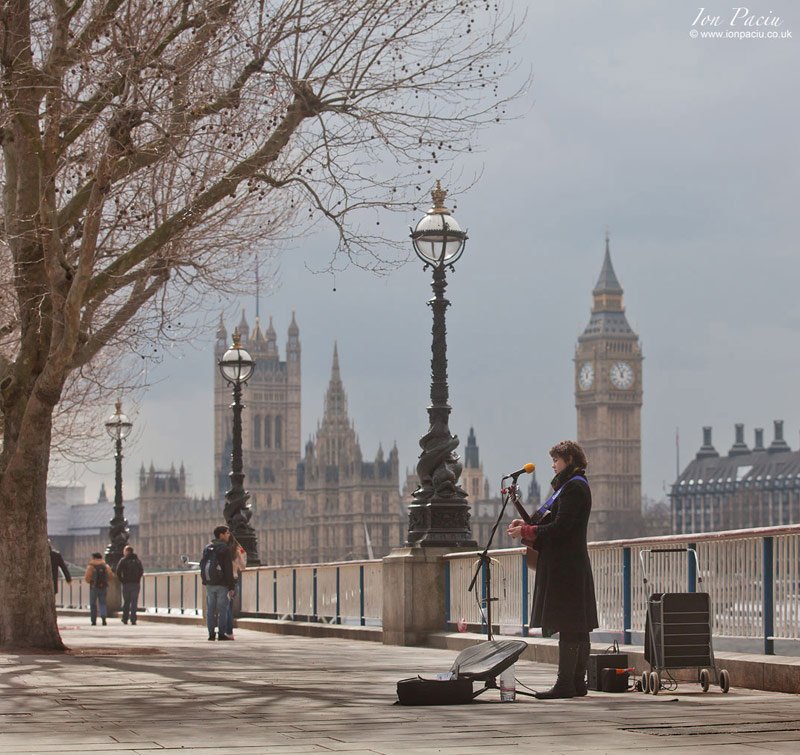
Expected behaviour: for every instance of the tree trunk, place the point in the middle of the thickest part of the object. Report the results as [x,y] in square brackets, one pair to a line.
[27,602]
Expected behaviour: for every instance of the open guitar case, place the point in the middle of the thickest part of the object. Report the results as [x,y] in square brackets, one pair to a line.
[479,663]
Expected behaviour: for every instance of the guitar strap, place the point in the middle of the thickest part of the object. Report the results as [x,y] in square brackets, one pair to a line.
[550,502]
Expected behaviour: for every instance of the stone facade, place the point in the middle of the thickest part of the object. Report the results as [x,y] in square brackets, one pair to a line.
[758,487]
[608,399]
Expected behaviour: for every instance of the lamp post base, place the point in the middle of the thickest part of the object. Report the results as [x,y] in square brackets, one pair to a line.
[440,524]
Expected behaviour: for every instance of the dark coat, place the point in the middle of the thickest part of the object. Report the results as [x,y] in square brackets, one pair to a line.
[563,595]
[130,570]
[56,563]
[226,563]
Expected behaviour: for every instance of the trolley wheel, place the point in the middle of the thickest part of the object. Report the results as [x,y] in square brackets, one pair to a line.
[655,682]
[705,679]
[724,680]
[645,682]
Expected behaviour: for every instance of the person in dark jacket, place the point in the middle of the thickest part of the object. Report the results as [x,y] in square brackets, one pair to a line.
[57,562]
[216,573]
[563,595]
[129,573]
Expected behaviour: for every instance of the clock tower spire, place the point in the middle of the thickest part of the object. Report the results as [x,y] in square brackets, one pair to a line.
[608,399]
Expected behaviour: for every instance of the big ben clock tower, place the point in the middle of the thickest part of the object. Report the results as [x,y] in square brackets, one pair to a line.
[608,398]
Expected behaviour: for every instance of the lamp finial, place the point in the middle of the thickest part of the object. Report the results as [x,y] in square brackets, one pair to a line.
[237,338]
[438,195]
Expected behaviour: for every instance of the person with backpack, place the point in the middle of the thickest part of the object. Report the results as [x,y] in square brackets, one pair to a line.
[216,573]
[129,573]
[97,576]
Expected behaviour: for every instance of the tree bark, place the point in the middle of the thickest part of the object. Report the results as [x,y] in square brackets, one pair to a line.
[27,606]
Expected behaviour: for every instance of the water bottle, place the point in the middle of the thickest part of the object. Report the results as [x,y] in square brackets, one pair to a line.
[508,686]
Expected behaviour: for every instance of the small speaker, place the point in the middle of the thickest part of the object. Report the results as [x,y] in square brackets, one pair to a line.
[599,661]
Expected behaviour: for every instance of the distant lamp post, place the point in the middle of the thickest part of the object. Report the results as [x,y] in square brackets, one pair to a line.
[439,515]
[118,426]
[237,366]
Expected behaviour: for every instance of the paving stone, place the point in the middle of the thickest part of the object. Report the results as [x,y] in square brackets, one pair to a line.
[270,693]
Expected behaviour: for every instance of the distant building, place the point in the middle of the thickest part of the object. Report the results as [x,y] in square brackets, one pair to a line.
[758,487]
[78,529]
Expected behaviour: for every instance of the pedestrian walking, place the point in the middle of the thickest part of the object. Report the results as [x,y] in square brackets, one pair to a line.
[57,562]
[97,576]
[563,594]
[239,564]
[129,573]
[216,573]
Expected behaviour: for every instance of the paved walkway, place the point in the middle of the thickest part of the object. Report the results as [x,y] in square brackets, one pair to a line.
[154,687]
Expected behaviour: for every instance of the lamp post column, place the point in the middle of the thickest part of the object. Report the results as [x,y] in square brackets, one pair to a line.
[439,515]
[236,367]
[237,510]
[118,426]
[118,531]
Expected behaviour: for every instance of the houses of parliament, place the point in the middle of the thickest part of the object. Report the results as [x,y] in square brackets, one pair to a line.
[325,500]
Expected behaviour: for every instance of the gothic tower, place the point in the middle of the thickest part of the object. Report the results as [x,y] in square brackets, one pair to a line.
[608,399]
[352,504]
[270,421]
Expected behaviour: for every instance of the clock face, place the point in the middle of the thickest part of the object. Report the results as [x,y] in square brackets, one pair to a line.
[586,376]
[622,375]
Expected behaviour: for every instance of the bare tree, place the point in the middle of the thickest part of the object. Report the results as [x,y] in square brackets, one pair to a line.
[149,146]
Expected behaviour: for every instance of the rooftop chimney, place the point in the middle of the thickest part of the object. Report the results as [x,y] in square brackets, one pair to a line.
[739,447]
[707,450]
[778,445]
[759,446]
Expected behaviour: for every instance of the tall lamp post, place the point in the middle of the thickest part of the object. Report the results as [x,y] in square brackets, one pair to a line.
[118,426]
[439,515]
[236,367]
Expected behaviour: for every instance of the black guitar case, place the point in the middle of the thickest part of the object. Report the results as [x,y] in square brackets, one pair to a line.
[481,662]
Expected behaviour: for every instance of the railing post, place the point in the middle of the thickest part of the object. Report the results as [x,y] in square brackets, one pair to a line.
[446,595]
[155,594]
[196,604]
[691,550]
[769,596]
[275,592]
[524,595]
[627,589]
[181,579]
[294,594]
[258,591]
[314,593]
[338,598]
[485,612]
[361,593]
[169,602]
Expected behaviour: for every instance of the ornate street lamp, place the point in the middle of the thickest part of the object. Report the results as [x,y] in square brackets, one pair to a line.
[439,515]
[236,367]
[118,426]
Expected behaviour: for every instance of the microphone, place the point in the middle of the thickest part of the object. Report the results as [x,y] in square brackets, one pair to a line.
[527,469]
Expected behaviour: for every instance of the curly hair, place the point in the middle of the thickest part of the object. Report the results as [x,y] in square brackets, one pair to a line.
[571,452]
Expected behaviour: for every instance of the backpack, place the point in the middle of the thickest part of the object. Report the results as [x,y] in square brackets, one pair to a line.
[210,570]
[100,576]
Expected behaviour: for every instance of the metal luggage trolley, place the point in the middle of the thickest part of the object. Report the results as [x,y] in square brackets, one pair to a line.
[678,632]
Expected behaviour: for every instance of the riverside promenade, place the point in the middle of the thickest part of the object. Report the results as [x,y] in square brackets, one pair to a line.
[163,687]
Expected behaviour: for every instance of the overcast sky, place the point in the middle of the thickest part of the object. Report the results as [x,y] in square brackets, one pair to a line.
[687,149]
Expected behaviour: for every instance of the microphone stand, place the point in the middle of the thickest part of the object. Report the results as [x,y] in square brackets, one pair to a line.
[485,561]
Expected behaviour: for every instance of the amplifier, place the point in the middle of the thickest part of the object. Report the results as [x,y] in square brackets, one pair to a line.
[599,661]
